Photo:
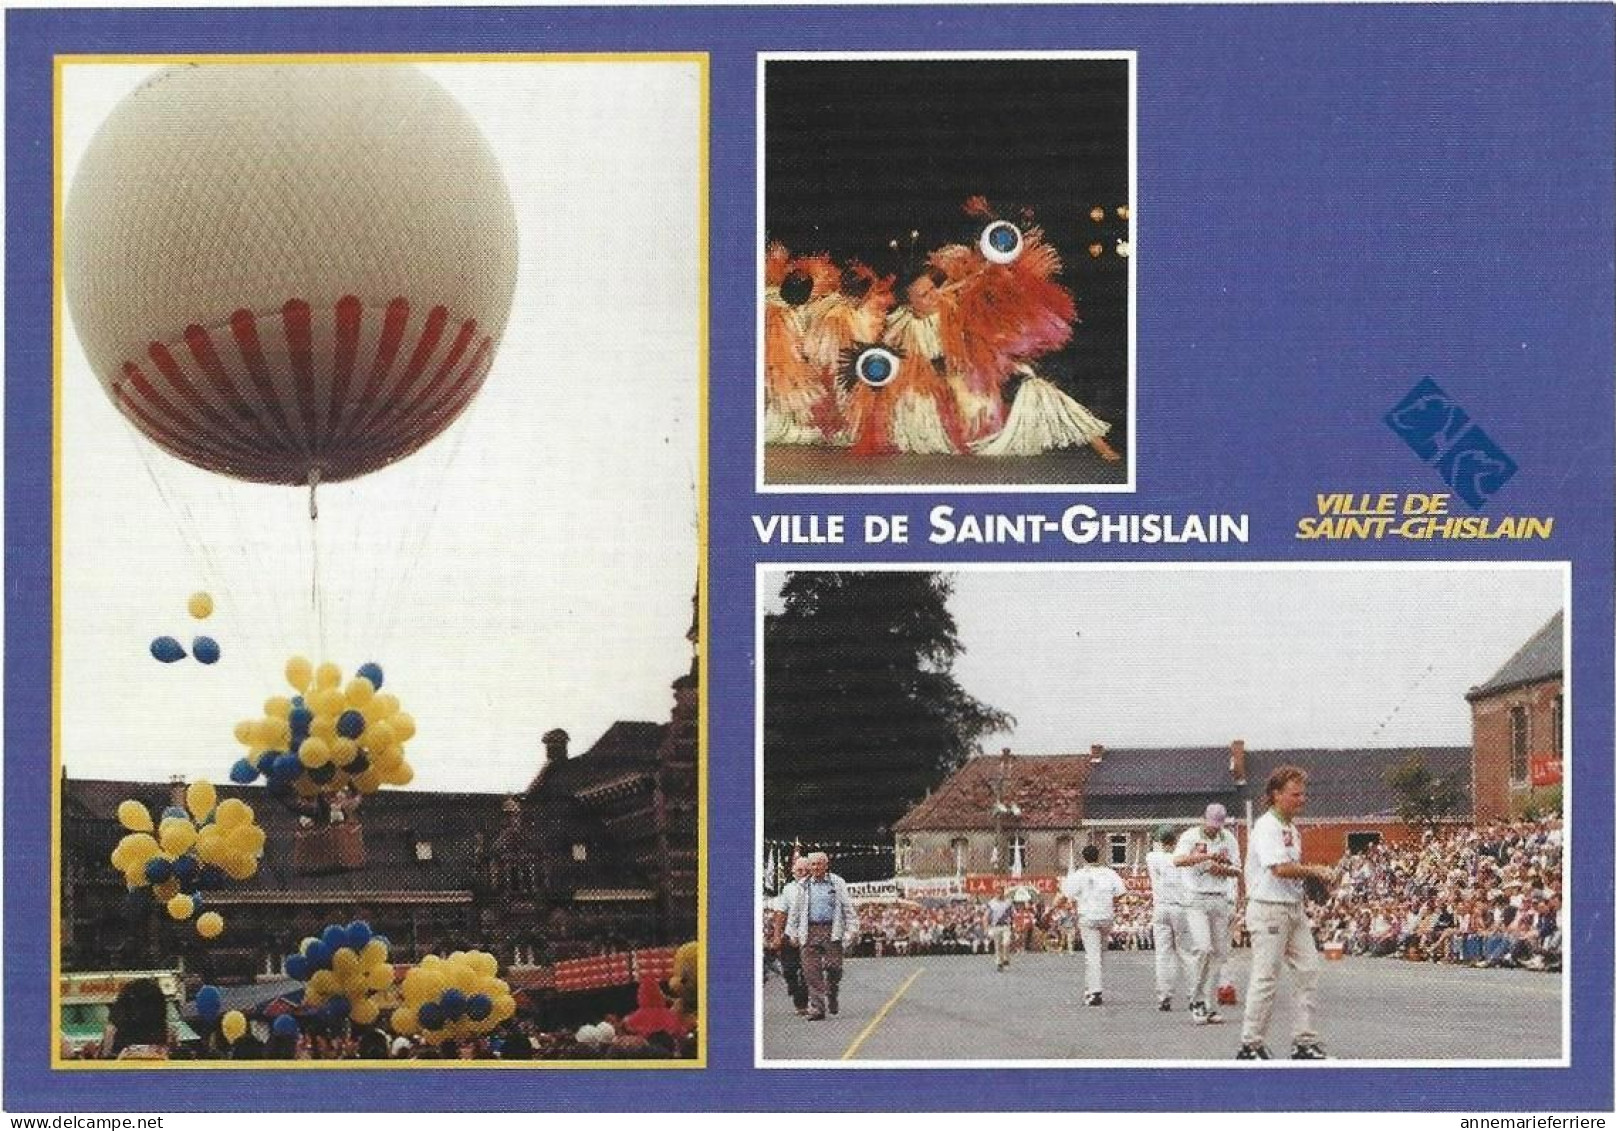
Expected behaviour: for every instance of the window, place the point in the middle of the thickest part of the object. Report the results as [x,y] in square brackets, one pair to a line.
[1559,726]
[580,852]
[1018,854]
[1066,852]
[960,846]
[423,851]
[1119,848]
[1359,843]
[1519,732]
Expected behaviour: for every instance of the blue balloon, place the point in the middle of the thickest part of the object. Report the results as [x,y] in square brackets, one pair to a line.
[243,772]
[359,765]
[167,649]
[159,869]
[285,1026]
[211,876]
[454,1004]
[335,936]
[351,724]
[208,1002]
[205,649]
[196,903]
[185,869]
[430,1016]
[300,718]
[285,768]
[338,1008]
[297,702]
[318,955]
[372,672]
[266,759]
[479,1006]
[174,811]
[358,935]
[322,774]
[297,967]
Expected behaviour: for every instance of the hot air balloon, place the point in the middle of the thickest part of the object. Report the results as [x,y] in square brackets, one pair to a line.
[290,273]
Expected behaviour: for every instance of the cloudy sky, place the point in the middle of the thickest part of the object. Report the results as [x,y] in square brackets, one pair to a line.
[1281,656]
[531,568]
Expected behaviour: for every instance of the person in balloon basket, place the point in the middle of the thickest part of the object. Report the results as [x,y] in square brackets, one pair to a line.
[1208,857]
[821,919]
[1093,889]
[1276,915]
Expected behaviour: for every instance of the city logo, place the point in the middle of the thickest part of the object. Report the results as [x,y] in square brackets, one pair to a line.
[1441,433]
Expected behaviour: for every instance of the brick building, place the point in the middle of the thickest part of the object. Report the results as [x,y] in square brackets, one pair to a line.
[1116,798]
[597,854]
[1518,725]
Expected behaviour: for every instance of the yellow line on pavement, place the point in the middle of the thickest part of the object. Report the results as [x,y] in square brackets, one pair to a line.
[880,1016]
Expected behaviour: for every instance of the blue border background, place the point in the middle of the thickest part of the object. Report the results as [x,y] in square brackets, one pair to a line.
[1333,202]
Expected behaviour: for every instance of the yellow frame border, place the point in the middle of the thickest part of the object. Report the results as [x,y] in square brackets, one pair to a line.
[703,63]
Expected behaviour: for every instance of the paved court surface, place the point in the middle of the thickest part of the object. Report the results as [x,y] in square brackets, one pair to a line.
[955,1007]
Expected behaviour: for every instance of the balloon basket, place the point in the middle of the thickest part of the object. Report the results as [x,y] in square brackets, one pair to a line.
[335,848]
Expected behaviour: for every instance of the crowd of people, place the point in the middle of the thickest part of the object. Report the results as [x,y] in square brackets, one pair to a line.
[139,1028]
[1488,897]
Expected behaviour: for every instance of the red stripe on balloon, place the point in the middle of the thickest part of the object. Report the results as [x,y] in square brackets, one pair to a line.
[394,324]
[244,328]
[424,347]
[469,376]
[300,353]
[181,432]
[224,429]
[456,351]
[200,344]
[446,408]
[349,313]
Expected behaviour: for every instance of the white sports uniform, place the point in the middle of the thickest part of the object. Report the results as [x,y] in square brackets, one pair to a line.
[1276,915]
[1167,922]
[1208,908]
[1094,889]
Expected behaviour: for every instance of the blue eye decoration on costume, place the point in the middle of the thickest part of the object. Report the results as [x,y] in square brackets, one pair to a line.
[1001,242]
[876,366]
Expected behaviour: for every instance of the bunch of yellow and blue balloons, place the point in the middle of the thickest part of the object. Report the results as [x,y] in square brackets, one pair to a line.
[347,972]
[454,998]
[168,650]
[187,848]
[329,736]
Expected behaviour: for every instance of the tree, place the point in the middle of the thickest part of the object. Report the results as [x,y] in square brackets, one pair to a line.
[1422,797]
[861,711]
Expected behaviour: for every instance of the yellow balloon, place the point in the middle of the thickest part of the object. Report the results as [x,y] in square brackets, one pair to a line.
[401,774]
[422,985]
[344,963]
[344,750]
[248,839]
[324,728]
[359,691]
[247,731]
[210,842]
[314,753]
[298,672]
[181,907]
[233,811]
[385,704]
[379,978]
[177,836]
[365,1011]
[403,727]
[484,963]
[404,1022]
[233,1024]
[133,816]
[200,798]
[369,781]
[210,924]
[278,707]
[323,982]
[504,1009]
[327,675]
[240,866]
[200,606]
[373,954]
[136,849]
[379,736]
[326,701]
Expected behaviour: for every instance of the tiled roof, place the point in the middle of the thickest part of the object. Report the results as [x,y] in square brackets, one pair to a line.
[1170,770]
[1352,783]
[1047,789]
[1541,657]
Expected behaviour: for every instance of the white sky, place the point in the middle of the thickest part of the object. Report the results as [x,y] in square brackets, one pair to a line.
[1280,656]
[531,568]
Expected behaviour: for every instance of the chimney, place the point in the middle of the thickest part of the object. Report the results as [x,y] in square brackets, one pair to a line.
[1237,761]
[555,745]
[1096,754]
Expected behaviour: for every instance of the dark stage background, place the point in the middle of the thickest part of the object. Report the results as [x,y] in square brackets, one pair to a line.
[859,153]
